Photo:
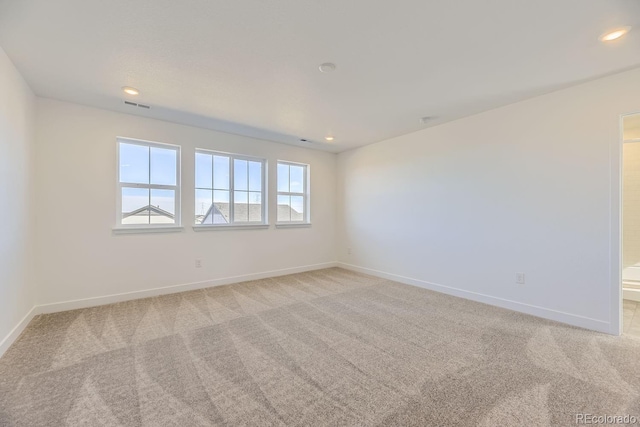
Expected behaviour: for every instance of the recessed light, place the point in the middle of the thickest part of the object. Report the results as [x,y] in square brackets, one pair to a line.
[130,90]
[615,34]
[327,67]
[328,138]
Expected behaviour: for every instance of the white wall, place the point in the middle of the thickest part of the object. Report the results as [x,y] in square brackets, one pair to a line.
[531,187]
[79,256]
[17,122]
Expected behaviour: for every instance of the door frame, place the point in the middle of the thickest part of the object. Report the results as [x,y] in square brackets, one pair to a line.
[616,250]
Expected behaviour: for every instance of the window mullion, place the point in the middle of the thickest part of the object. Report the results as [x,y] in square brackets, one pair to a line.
[154,186]
[248,194]
[149,182]
[213,192]
[289,191]
[231,190]
[162,187]
[284,193]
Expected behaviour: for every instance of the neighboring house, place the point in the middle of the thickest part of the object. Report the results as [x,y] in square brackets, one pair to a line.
[148,215]
[215,214]
[218,213]
[285,212]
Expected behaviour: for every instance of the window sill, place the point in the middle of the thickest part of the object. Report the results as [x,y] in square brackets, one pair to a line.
[144,230]
[230,227]
[293,225]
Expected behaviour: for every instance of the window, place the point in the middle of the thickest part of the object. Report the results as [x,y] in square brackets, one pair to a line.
[229,189]
[293,193]
[148,184]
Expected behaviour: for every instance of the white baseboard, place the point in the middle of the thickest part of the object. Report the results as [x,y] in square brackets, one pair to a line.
[631,294]
[545,313]
[127,296]
[109,299]
[15,332]
[571,319]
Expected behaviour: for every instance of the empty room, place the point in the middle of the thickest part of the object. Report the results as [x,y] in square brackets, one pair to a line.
[319,213]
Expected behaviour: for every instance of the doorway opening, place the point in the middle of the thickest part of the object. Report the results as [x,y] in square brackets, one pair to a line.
[631,224]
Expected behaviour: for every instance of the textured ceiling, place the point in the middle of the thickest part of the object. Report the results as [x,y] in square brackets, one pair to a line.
[251,66]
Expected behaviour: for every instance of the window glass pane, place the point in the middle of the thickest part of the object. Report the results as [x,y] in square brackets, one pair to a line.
[204,200]
[204,173]
[163,207]
[255,206]
[134,163]
[240,177]
[163,166]
[283,178]
[240,206]
[221,172]
[255,176]
[284,210]
[135,202]
[220,211]
[297,208]
[296,179]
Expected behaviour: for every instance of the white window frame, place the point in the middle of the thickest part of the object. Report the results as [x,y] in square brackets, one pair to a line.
[306,194]
[125,228]
[263,191]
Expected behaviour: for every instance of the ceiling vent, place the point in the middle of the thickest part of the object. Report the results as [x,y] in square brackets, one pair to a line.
[133,104]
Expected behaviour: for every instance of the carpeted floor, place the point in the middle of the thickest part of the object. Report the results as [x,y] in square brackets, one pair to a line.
[631,316]
[325,348]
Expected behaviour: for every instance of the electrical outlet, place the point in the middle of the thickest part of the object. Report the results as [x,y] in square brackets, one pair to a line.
[520,278]
[198,263]
[348,251]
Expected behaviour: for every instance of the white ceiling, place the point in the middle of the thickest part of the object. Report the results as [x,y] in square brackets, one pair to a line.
[251,66]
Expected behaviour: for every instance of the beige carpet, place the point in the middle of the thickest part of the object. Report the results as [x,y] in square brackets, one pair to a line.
[325,348]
